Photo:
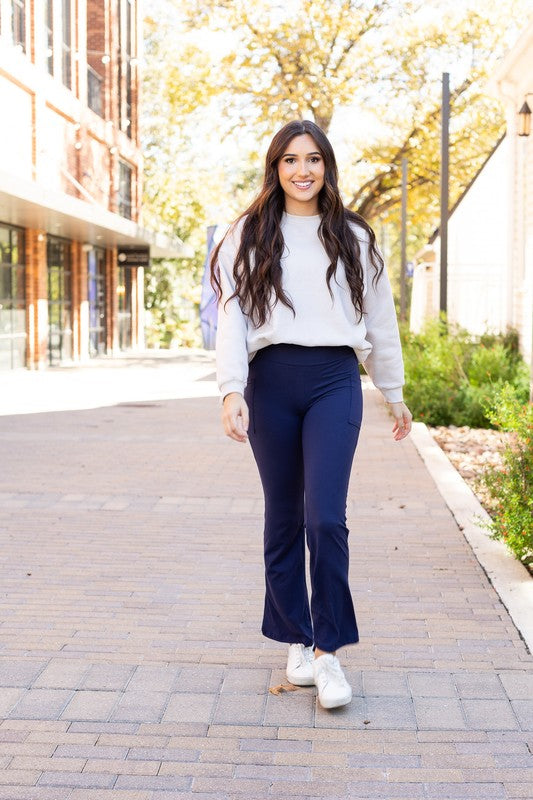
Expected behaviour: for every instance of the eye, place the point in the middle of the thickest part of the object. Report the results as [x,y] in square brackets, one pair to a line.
[315,159]
[289,160]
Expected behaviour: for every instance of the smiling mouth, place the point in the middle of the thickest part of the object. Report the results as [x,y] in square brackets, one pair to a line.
[303,184]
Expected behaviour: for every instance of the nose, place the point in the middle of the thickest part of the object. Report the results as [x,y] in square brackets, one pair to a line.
[303,168]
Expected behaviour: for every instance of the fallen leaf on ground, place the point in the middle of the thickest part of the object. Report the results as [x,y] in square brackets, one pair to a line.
[283,687]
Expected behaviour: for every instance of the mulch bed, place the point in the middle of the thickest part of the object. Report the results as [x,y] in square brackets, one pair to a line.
[471,451]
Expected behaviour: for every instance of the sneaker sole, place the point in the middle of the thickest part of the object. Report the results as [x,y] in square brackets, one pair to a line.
[336,703]
[300,681]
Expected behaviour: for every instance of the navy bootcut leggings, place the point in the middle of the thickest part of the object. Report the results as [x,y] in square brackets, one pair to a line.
[305,414]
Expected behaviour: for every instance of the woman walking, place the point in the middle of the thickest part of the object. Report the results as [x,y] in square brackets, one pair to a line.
[303,297]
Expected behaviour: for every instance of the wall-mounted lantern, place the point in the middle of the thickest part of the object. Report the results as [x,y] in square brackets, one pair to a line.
[524,120]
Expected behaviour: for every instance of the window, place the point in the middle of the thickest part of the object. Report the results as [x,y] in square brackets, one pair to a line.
[124,190]
[125,64]
[94,91]
[96,275]
[66,45]
[12,298]
[49,35]
[18,23]
[120,56]
[127,110]
[59,301]
[97,57]
[124,307]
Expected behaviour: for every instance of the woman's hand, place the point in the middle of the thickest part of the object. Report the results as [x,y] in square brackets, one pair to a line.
[402,420]
[235,417]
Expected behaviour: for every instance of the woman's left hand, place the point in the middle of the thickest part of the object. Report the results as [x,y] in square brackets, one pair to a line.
[402,420]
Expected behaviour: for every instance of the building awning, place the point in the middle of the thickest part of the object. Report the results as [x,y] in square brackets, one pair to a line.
[30,205]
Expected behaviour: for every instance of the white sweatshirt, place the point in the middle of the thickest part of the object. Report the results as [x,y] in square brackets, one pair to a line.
[319,320]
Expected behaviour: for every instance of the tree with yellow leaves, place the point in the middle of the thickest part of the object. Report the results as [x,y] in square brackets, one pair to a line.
[367,72]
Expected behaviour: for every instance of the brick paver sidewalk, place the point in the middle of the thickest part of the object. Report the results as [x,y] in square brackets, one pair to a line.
[131,661]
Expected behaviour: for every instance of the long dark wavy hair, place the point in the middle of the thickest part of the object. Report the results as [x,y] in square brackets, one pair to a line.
[257,268]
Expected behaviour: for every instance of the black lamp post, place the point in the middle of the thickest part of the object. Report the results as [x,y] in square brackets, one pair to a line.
[524,129]
[524,120]
[444,191]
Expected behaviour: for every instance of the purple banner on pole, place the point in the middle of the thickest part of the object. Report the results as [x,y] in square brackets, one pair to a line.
[208,301]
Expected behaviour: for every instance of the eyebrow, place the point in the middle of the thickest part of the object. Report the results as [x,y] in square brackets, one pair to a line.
[294,155]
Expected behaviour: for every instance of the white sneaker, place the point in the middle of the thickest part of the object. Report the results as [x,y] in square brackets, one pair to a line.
[333,688]
[300,665]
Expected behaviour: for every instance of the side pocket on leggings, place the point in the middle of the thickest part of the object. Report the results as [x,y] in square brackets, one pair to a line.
[356,402]
[249,392]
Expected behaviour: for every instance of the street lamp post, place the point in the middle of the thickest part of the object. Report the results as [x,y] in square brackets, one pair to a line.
[403,273]
[444,191]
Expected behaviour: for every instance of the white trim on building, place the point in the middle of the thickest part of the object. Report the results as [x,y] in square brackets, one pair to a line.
[29,205]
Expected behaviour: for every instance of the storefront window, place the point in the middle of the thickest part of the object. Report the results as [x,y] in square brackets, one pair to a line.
[12,298]
[124,307]
[59,301]
[97,301]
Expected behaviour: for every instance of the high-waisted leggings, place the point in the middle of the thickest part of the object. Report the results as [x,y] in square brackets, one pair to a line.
[305,414]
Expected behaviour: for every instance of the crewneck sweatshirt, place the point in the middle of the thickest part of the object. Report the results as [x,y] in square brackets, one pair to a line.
[319,319]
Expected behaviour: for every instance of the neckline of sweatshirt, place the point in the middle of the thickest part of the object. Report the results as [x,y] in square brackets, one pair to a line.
[302,217]
[320,318]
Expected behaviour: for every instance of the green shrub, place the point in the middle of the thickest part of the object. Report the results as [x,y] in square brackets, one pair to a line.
[452,377]
[489,369]
[432,381]
[491,364]
[509,339]
[511,487]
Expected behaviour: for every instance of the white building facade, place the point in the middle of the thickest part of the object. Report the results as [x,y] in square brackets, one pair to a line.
[490,232]
[514,86]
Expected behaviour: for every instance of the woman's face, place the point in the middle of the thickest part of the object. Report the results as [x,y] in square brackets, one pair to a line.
[301,175]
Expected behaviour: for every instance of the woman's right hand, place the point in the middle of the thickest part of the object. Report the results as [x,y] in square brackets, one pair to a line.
[235,417]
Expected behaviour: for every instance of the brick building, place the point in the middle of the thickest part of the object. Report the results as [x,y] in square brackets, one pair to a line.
[72,247]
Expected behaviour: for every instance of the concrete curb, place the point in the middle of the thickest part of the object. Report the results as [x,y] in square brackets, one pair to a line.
[510,579]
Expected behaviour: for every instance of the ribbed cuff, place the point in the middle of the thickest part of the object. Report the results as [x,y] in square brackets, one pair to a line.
[231,386]
[393,395]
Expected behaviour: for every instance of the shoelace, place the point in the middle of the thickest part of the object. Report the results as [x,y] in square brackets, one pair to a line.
[306,657]
[337,669]
[331,669]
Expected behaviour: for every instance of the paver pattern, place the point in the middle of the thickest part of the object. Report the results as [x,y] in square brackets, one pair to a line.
[132,666]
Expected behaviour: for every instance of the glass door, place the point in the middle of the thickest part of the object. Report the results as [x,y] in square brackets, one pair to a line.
[97,302]
[124,307]
[59,301]
[12,298]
